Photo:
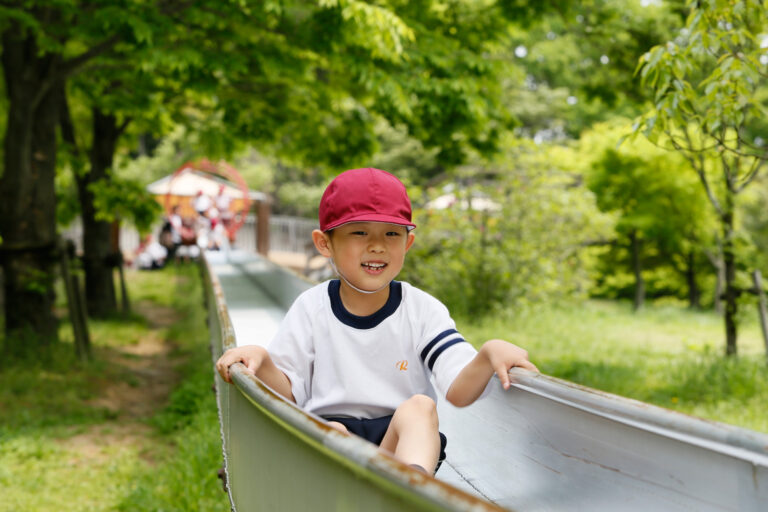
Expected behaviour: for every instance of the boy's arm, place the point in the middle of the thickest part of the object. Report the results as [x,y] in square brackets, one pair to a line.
[495,356]
[257,360]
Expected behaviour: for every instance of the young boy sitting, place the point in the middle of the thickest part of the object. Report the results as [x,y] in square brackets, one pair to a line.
[360,351]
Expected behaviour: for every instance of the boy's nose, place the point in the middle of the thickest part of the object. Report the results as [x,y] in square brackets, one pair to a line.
[376,245]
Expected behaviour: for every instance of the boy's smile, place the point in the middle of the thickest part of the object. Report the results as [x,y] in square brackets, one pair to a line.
[374,268]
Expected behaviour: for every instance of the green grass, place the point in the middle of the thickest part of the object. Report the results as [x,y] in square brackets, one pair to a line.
[62,449]
[665,355]
[187,479]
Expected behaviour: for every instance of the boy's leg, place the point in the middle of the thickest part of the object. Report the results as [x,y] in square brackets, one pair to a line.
[413,435]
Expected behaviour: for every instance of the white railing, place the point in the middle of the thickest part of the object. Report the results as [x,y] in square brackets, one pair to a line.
[286,234]
[129,236]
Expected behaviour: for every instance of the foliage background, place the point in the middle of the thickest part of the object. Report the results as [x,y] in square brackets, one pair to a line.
[571,139]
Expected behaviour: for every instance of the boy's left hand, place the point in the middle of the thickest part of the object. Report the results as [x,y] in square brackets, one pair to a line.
[503,355]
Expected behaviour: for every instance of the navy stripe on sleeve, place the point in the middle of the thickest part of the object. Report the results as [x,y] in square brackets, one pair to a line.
[441,349]
[435,341]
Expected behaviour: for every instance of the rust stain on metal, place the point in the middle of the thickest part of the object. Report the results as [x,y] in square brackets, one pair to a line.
[418,479]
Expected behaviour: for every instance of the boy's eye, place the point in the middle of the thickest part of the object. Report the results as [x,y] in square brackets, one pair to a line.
[393,233]
[358,233]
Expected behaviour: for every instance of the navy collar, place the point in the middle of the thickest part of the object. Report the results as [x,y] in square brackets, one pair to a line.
[364,322]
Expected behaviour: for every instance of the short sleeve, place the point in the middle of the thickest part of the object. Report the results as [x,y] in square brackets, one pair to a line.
[443,350]
[292,350]
[450,363]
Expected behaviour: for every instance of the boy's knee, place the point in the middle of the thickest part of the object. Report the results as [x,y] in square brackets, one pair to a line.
[421,404]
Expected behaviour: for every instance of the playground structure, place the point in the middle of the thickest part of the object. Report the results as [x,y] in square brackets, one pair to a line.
[203,177]
[546,444]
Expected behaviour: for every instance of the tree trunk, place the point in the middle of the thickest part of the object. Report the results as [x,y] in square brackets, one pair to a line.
[762,309]
[694,294]
[717,262]
[98,257]
[27,198]
[731,292]
[637,269]
[720,279]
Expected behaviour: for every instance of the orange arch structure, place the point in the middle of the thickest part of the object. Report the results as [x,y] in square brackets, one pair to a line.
[224,170]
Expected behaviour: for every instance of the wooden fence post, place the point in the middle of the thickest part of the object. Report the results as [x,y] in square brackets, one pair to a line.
[125,303]
[761,307]
[82,308]
[75,305]
[117,253]
[262,227]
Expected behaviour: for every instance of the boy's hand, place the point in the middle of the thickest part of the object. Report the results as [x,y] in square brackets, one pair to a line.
[495,356]
[252,356]
[502,356]
[258,362]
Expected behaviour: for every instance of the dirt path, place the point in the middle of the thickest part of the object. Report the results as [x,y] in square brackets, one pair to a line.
[150,376]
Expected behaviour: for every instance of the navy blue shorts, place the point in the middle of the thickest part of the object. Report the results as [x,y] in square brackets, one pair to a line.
[374,429]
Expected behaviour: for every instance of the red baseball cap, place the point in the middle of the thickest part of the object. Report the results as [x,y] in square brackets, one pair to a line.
[365,195]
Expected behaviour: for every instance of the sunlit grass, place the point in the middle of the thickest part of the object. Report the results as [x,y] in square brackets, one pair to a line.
[36,473]
[666,355]
[60,451]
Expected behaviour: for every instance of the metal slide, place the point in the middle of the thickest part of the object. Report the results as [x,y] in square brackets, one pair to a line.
[546,444]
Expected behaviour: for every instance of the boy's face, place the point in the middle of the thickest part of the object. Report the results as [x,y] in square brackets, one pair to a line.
[368,254]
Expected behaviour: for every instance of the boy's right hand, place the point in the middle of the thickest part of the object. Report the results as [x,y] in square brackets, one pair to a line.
[250,355]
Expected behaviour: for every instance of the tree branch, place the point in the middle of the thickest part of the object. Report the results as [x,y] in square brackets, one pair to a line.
[727,174]
[124,125]
[737,150]
[65,121]
[69,66]
[751,174]
[700,168]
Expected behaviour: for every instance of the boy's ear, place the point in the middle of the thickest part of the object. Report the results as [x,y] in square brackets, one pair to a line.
[322,243]
[409,241]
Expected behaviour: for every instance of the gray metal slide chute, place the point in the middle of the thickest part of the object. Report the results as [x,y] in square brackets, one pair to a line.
[545,444]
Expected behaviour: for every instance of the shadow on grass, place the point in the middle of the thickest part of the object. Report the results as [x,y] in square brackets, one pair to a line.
[50,387]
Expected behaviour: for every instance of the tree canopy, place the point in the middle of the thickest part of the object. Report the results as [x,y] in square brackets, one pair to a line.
[514,103]
[303,78]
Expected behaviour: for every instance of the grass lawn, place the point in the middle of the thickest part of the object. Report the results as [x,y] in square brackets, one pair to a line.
[665,355]
[135,429]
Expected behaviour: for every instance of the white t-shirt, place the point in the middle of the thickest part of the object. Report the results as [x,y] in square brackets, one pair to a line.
[340,364]
[202,203]
[222,202]
[154,253]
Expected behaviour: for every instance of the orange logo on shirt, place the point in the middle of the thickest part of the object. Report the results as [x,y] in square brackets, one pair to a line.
[402,365]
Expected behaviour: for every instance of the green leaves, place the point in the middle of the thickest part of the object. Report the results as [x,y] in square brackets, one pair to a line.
[519,239]
[377,29]
[710,75]
[122,199]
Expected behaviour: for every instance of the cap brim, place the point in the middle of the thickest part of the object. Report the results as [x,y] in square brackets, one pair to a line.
[371,217]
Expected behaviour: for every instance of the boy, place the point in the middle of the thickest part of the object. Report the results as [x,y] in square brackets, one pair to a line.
[360,351]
